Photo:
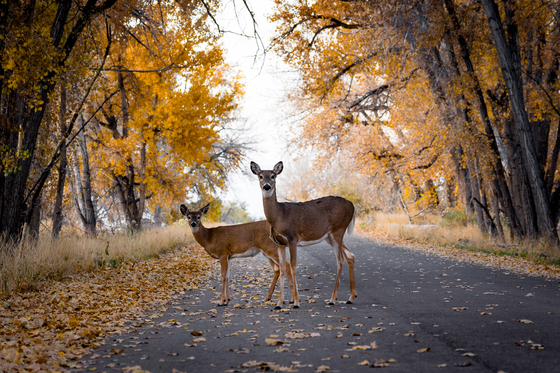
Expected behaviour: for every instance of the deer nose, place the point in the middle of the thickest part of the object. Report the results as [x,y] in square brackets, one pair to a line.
[193,225]
[266,187]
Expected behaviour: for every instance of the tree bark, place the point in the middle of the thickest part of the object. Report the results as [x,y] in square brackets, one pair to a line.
[14,211]
[81,189]
[58,217]
[498,172]
[90,218]
[509,60]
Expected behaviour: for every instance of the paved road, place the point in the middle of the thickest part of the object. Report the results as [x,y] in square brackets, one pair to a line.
[414,313]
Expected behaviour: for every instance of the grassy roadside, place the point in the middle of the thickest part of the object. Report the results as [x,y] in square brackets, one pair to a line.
[452,235]
[24,265]
[68,298]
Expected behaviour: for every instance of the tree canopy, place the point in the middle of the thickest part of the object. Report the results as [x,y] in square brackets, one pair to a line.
[436,94]
[131,100]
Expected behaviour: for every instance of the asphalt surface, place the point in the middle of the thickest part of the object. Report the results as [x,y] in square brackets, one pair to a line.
[414,313]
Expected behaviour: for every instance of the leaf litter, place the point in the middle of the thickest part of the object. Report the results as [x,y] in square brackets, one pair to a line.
[52,327]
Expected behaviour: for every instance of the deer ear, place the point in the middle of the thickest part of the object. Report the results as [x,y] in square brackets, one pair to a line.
[278,167]
[184,210]
[205,209]
[255,168]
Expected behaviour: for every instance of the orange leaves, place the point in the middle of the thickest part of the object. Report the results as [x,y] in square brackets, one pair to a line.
[175,93]
[84,308]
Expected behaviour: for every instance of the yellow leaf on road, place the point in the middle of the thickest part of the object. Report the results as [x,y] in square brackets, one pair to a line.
[274,342]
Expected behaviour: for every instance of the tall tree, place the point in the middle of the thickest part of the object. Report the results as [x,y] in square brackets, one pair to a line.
[45,34]
[425,74]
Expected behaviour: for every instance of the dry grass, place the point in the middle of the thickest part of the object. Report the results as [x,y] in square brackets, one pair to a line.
[452,229]
[23,265]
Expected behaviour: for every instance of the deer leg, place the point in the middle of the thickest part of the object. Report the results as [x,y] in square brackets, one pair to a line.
[291,282]
[276,269]
[339,262]
[282,259]
[224,269]
[350,259]
[293,264]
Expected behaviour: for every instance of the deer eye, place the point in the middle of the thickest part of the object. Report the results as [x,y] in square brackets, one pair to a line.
[260,177]
[272,177]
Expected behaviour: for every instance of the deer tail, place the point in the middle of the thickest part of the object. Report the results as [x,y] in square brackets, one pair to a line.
[350,228]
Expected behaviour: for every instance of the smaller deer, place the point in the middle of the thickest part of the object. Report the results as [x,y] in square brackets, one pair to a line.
[238,241]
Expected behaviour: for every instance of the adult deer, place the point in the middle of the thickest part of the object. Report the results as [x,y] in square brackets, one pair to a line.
[308,223]
[237,241]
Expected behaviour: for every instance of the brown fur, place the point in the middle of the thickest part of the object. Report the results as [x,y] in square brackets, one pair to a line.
[227,242]
[297,224]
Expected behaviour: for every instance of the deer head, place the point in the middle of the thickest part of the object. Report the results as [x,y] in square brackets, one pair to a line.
[194,217]
[267,179]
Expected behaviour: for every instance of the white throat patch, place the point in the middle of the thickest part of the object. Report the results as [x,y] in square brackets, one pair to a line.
[195,229]
[267,193]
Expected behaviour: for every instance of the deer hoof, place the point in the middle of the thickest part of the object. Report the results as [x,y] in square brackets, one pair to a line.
[296,306]
[330,303]
[349,302]
[277,308]
[291,302]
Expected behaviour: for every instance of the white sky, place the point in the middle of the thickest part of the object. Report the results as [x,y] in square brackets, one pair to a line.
[264,104]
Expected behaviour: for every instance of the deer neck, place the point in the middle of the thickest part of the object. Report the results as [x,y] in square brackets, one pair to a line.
[201,235]
[271,208]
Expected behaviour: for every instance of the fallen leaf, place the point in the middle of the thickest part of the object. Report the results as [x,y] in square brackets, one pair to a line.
[365,362]
[422,350]
[300,335]
[73,322]
[361,348]
[525,321]
[376,329]
[380,364]
[274,342]
[196,334]
[322,368]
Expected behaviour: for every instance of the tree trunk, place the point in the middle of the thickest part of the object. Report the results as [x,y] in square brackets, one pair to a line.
[14,187]
[35,221]
[509,60]
[58,217]
[90,219]
[498,171]
[81,190]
